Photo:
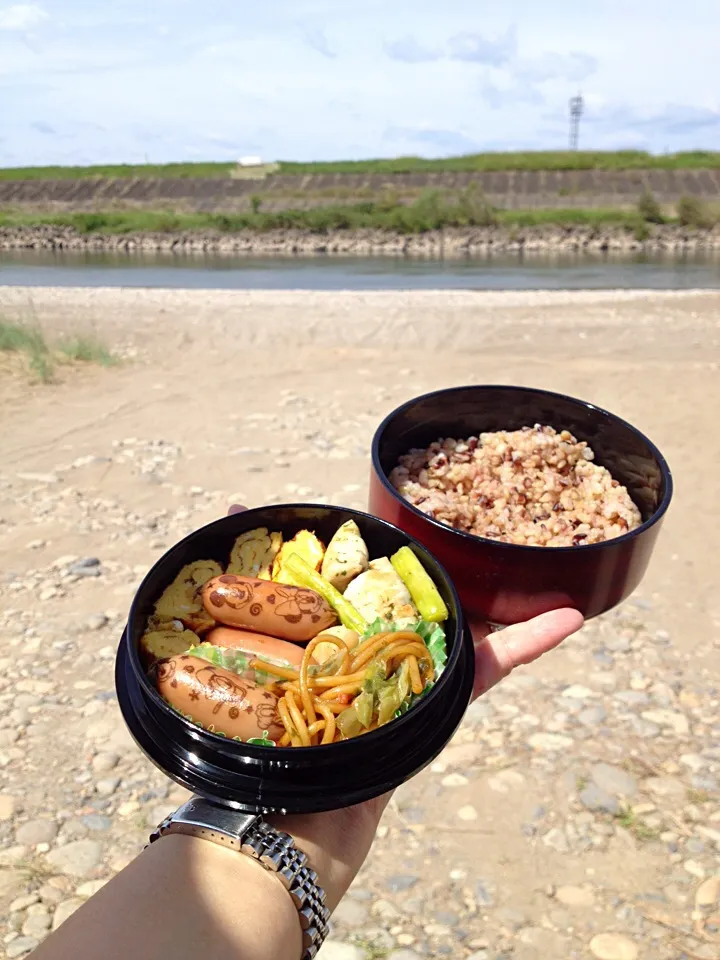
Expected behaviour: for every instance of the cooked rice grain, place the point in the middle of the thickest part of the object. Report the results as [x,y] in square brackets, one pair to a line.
[532,486]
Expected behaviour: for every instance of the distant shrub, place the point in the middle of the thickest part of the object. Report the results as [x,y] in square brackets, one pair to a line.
[649,208]
[476,208]
[642,232]
[256,202]
[692,212]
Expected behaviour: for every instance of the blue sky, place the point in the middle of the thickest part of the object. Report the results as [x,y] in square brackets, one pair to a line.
[96,81]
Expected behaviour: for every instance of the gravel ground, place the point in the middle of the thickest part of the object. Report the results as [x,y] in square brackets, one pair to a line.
[575,814]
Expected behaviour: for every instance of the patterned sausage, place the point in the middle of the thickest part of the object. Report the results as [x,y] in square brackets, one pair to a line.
[258,645]
[218,700]
[276,609]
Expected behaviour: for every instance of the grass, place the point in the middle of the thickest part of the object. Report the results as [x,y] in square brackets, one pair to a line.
[28,341]
[86,349]
[431,211]
[372,949]
[527,160]
[172,171]
[641,831]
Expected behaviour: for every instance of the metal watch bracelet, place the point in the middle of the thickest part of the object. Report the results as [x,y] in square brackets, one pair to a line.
[275,850]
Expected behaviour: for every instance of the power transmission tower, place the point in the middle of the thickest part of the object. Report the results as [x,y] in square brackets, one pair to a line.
[576,110]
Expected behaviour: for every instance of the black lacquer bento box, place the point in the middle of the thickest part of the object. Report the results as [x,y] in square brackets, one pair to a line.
[283,779]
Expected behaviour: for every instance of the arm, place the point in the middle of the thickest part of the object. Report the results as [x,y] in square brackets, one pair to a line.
[182,899]
[186,899]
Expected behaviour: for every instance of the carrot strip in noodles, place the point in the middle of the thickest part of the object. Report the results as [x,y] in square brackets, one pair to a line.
[415,678]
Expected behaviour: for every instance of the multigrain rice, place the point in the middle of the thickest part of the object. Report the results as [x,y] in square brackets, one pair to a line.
[532,486]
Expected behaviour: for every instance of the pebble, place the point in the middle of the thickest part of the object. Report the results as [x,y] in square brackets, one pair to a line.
[22,903]
[454,780]
[708,893]
[666,787]
[678,722]
[96,622]
[104,762]
[37,922]
[505,781]
[556,840]
[578,692]
[64,910]
[575,896]
[596,799]
[335,950]
[90,888]
[398,883]
[613,946]
[8,806]
[36,831]
[483,894]
[76,859]
[351,913]
[614,780]
[467,813]
[20,946]
[592,716]
[403,955]
[94,821]
[85,567]
[49,893]
[107,786]
[695,762]
[549,742]
[385,910]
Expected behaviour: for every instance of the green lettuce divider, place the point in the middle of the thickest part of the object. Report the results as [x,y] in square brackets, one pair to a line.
[435,640]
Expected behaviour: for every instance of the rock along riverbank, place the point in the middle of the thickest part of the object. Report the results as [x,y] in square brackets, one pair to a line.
[455,243]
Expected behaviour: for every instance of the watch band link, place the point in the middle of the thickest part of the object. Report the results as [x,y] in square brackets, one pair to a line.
[272,848]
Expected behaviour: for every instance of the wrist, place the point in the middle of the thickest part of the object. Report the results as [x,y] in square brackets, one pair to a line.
[239,895]
[336,842]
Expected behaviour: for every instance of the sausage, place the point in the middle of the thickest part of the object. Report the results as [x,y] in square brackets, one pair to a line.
[276,609]
[256,644]
[218,700]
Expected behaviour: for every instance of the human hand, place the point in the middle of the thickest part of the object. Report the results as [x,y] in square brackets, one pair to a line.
[338,841]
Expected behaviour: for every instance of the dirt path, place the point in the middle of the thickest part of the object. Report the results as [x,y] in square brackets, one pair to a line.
[522,841]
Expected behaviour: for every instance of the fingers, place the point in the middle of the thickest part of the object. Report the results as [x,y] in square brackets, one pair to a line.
[236,508]
[497,654]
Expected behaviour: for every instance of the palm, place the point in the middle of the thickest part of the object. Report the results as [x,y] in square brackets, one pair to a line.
[338,841]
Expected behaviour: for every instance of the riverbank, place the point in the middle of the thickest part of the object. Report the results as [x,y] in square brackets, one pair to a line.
[577,804]
[440,244]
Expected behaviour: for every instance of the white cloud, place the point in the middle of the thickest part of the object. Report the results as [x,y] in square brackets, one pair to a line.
[475,48]
[22,17]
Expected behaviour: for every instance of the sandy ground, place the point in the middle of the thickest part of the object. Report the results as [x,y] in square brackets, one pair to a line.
[263,397]
[206,359]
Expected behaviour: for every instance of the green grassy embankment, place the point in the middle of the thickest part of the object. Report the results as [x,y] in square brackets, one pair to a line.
[433,210]
[470,163]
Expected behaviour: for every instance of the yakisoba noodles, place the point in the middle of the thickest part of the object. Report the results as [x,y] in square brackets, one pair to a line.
[296,644]
[305,696]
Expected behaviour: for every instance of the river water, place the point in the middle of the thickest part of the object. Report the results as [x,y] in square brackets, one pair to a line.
[580,272]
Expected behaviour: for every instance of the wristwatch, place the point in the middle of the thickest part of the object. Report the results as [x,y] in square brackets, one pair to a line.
[275,850]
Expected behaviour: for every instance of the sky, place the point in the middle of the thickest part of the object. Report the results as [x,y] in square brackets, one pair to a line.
[134,81]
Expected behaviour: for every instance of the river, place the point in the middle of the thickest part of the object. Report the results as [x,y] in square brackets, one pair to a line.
[580,272]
